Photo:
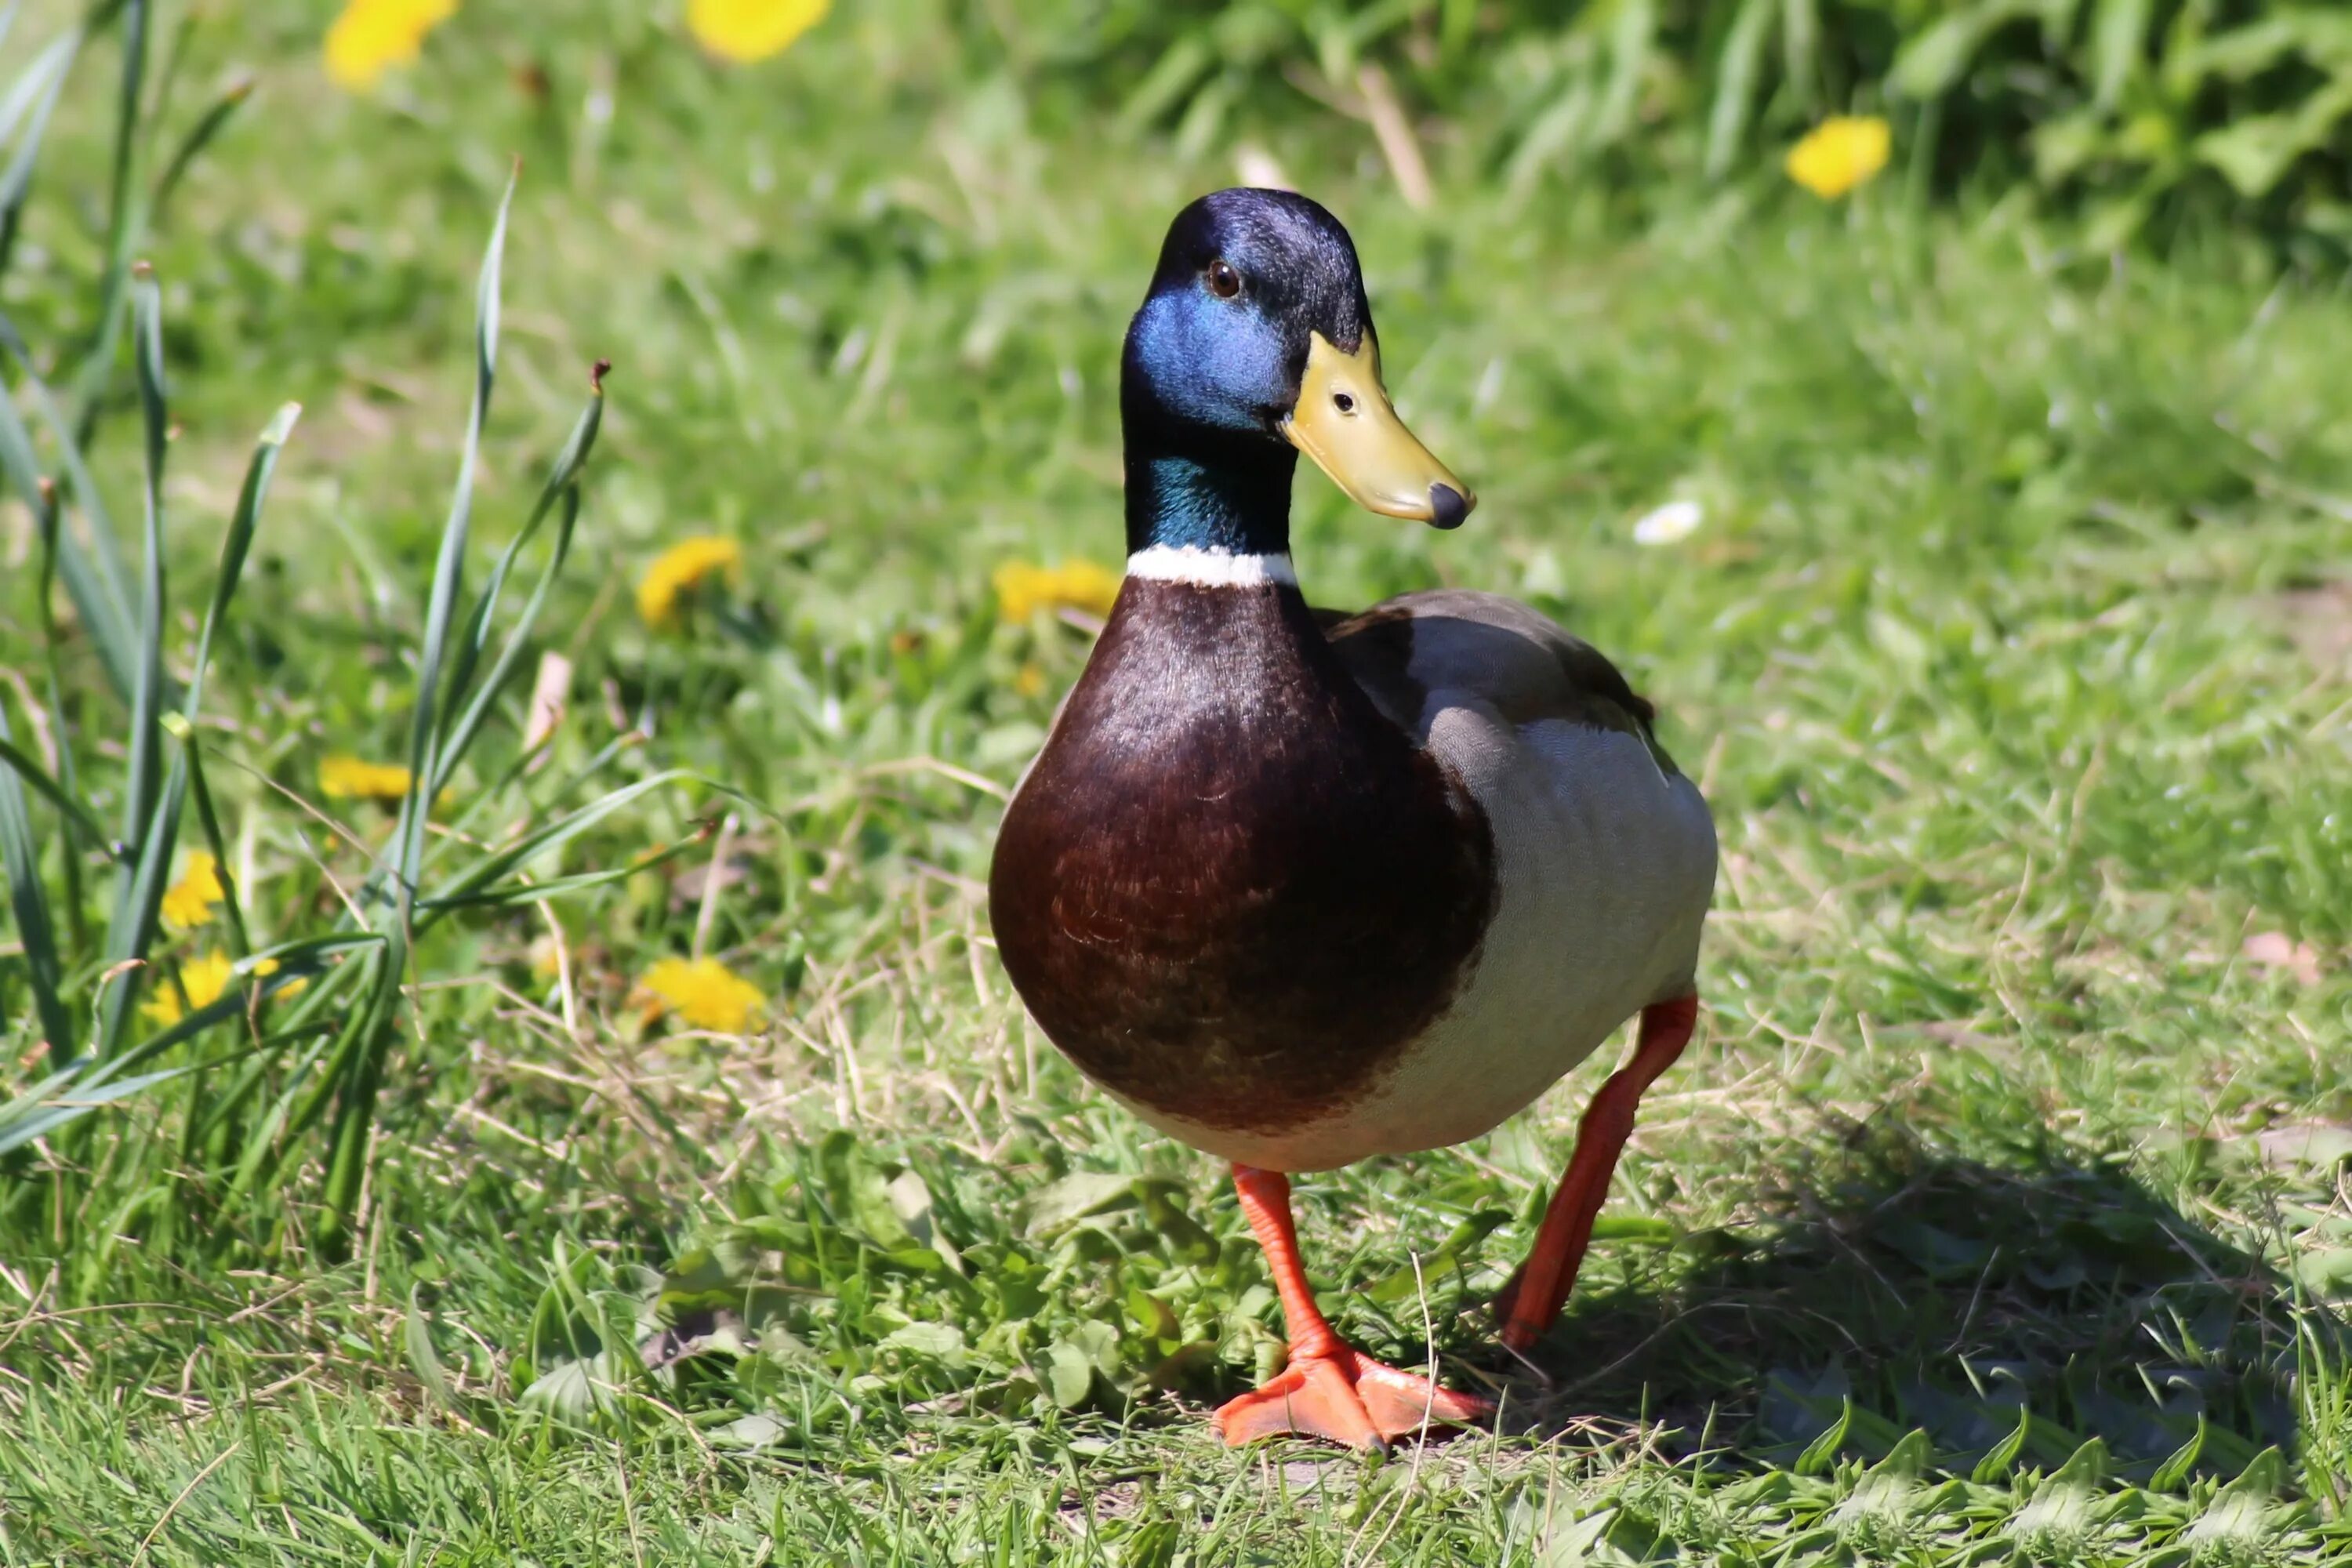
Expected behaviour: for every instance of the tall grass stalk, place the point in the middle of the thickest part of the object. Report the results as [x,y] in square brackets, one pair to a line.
[302,1078]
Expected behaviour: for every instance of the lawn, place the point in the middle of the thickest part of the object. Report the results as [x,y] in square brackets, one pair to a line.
[1997,1212]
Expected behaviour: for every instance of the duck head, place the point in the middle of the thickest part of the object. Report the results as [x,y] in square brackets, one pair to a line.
[1256,343]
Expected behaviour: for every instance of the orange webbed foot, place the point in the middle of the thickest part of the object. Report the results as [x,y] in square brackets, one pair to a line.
[1348,1397]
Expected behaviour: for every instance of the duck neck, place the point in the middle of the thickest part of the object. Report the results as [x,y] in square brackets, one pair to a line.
[1233,501]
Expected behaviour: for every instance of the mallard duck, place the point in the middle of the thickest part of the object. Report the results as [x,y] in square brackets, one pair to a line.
[1300,889]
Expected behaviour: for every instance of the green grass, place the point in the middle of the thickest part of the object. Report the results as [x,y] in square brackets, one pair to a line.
[2009,653]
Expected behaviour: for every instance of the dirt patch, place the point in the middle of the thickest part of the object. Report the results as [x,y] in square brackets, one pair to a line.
[2319,622]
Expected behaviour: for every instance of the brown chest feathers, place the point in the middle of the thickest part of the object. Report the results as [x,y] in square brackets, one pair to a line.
[1229,890]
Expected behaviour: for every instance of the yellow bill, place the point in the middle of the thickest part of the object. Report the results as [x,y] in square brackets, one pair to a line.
[1343,420]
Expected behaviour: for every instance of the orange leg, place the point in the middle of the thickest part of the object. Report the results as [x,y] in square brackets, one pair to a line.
[1329,1389]
[1534,1295]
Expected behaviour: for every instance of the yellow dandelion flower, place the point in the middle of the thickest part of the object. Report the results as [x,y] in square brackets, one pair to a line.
[746,30]
[702,992]
[1839,154]
[681,569]
[346,777]
[1022,589]
[1030,678]
[371,37]
[203,978]
[189,902]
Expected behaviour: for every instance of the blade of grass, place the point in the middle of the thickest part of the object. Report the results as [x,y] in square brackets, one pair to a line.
[486,871]
[511,893]
[124,222]
[264,1148]
[188,774]
[149,814]
[308,955]
[1736,84]
[53,666]
[167,79]
[238,541]
[448,571]
[86,1083]
[355,1065]
[535,801]
[49,1109]
[27,897]
[94,579]
[91,598]
[85,1077]
[561,483]
[139,905]
[190,758]
[1801,52]
[24,119]
[1632,39]
[627,739]
[354,1073]
[236,544]
[221,1129]
[192,145]
[24,768]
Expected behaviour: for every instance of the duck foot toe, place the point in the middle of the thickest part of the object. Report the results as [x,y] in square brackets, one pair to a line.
[1346,1397]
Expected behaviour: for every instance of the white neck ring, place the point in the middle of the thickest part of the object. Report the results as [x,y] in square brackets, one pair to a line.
[1211,568]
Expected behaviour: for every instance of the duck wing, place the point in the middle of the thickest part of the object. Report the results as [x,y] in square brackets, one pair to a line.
[1513,658]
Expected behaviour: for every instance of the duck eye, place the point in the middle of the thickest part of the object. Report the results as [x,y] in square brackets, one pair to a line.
[1223,281]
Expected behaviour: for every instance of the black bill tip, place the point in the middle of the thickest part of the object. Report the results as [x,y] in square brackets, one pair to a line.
[1448,505]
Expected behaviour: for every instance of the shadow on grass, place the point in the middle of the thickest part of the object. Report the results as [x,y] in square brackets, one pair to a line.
[1898,1287]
